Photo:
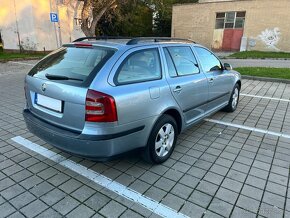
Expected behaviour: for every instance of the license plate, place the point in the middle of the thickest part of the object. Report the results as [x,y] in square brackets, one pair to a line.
[47,102]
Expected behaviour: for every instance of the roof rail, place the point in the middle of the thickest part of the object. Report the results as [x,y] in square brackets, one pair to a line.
[157,39]
[100,38]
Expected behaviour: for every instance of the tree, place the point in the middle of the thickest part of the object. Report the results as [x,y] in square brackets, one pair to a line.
[132,18]
[92,12]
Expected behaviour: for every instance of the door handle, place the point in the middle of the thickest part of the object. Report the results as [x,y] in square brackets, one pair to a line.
[211,80]
[177,89]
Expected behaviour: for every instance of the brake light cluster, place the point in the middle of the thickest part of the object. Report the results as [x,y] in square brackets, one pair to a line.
[100,107]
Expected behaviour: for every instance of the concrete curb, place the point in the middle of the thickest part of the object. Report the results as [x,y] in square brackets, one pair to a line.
[267,79]
[18,59]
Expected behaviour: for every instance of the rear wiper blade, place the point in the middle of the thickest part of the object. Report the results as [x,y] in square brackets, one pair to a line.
[60,77]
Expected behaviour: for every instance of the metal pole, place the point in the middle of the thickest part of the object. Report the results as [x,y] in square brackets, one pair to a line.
[56,39]
[59,29]
[17,28]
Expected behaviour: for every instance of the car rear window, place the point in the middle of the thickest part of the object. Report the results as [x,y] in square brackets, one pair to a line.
[74,64]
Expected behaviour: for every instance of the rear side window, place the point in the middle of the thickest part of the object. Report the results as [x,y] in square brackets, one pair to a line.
[140,66]
[183,60]
[71,62]
[208,60]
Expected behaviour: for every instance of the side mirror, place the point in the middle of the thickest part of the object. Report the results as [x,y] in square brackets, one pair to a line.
[228,66]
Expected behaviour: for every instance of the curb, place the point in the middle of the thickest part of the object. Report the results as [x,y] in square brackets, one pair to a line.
[19,59]
[267,79]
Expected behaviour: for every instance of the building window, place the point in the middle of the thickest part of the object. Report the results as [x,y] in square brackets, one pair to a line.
[230,20]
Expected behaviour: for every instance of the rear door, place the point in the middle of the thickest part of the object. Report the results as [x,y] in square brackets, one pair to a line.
[56,87]
[220,82]
[187,83]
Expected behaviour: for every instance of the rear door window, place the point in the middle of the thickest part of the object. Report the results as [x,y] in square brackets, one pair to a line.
[181,61]
[139,66]
[72,63]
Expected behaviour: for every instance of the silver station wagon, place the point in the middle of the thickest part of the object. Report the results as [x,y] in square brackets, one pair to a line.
[100,98]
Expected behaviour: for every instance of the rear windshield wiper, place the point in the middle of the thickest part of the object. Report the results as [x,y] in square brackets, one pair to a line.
[60,77]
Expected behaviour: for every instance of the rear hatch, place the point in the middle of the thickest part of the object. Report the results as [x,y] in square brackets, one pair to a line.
[57,86]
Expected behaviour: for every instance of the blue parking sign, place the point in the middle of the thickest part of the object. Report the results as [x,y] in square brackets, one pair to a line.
[53,17]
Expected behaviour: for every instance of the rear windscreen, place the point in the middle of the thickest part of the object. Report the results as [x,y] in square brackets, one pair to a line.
[72,63]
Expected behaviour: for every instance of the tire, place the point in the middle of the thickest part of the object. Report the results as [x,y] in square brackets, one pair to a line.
[234,100]
[160,148]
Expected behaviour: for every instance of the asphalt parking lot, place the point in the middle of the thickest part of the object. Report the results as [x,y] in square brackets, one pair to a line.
[230,165]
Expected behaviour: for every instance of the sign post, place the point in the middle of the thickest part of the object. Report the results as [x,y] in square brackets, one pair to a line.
[54,19]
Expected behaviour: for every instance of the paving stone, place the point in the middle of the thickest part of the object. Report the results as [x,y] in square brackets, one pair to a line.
[273,199]
[53,197]
[31,182]
[6,209]
[81,211]
[139,186]
[48,173]
[252,192]
[83,193]
[207,187]
[12,191]
[165,184]
[267,210]
[49,213]
[173,201]
[192,210]
[276,188]
[97,201]
[189,181]
[220,207]
[200,198]
[141,210]
[248,204]
[5,183]
[173,175]
[209,214]
[235,175]
[58,179]
[232,185]
[219,169]
[197,172]
[65,205]
[19,176]
[34,208]
[130,214]
[239,213]
[227,195]
[41,189]
[213,178]
[112,209]
[149,177]
[22,200]
[256,182]
[70,186]
[16,215]
[155,193]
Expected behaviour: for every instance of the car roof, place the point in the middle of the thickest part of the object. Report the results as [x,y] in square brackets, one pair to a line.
[131,42]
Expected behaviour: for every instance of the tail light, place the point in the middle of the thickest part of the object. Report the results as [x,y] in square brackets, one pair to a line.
[100,107]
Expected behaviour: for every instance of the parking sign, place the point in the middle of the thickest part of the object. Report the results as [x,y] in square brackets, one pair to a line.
[53,17]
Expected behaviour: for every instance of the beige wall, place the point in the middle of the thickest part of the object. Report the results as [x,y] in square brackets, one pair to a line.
[266,18]
[35,29]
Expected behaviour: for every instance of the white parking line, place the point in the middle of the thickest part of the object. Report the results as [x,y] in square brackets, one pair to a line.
[265,97]
[14,62]
[104,181]
[279,134]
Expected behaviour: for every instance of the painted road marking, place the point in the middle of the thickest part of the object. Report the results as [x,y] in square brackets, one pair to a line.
[265,97]
[279,134]
[104,181]
[14,62]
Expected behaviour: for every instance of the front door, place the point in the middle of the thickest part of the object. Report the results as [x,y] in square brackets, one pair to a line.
[219,81]
[187,83]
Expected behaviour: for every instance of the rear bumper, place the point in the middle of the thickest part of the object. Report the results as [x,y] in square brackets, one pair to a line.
[91,146]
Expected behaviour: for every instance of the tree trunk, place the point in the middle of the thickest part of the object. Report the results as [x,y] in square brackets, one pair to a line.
[97,8]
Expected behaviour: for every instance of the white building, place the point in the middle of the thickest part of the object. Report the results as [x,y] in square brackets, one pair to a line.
[27,23]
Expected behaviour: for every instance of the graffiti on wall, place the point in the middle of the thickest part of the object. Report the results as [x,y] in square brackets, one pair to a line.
[270,37]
